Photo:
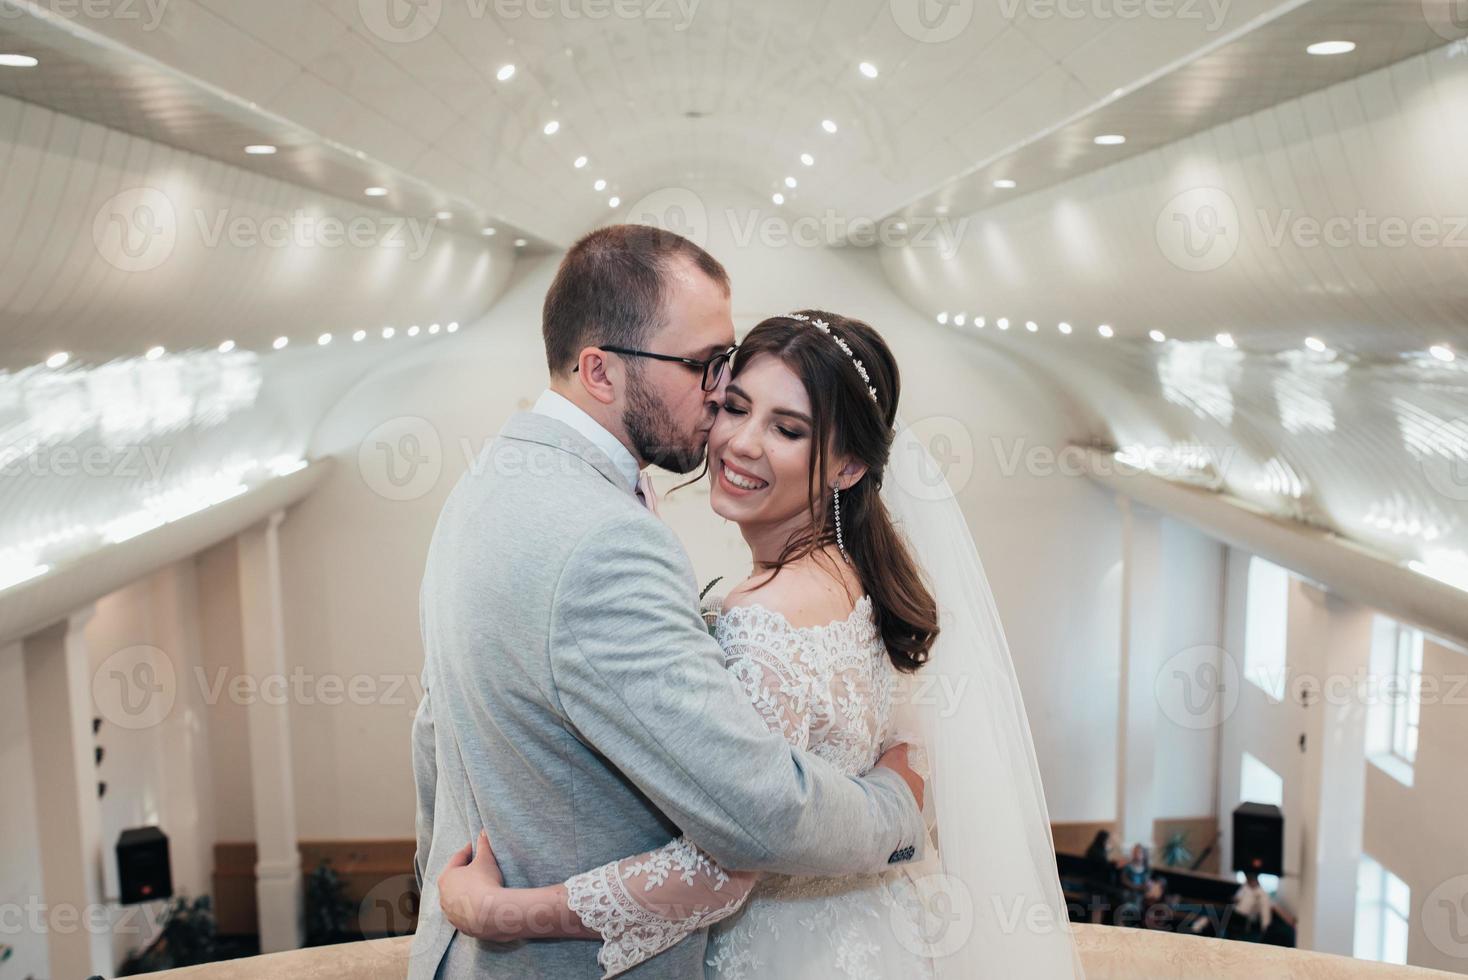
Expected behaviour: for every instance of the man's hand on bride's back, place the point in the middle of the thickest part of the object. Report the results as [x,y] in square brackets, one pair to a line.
[895,759]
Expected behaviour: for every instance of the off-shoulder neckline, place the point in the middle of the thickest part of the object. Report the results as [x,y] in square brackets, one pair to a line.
[863,606]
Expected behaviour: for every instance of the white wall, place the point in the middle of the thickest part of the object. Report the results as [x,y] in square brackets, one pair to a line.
[159,774]
[353,555]
[20,860]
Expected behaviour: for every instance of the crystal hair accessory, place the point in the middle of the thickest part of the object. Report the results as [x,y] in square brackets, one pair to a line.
[825,328]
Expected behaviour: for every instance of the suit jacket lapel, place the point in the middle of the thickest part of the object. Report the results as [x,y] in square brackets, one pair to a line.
[546,431]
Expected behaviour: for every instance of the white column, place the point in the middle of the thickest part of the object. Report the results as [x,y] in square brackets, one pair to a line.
[58,681]
[1335,772]
[1141,658]
[278,868]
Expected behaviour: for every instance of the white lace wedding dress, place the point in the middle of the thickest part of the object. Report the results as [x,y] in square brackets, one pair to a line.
[828,689]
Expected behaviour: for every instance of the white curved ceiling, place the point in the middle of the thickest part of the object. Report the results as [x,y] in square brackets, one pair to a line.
[662,96]
[1337,219]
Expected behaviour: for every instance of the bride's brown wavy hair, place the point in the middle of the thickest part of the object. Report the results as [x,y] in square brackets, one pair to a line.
[848,423]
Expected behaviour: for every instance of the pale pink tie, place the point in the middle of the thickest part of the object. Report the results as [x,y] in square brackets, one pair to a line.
[647,494]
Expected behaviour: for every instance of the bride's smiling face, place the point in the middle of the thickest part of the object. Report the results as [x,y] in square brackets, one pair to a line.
[760,447]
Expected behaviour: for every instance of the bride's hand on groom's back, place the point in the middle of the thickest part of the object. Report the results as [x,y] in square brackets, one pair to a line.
[467,889]
[896,759]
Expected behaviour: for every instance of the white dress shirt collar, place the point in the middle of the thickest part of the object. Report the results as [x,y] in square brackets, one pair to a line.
[555,405]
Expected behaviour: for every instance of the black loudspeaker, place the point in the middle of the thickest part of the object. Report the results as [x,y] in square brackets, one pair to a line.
[143,872]
[1259,838]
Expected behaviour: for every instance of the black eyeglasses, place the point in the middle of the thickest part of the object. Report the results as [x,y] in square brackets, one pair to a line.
[713,368]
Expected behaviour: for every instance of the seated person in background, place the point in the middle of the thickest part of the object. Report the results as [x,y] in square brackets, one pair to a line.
[1253,908]
[1100,849]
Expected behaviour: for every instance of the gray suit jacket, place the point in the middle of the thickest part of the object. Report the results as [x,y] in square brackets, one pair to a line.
[576,707]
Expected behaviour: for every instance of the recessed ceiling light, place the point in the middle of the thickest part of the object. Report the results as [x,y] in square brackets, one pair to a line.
[486,232]
[1063,327]
[444,215]
[359,336]
[17,61]
[505,73]
[979,322]
[1105,330]
[777,197]
[551,128]
[868,69]
[58,359]
[453,327]
[280,342]
[376,192]
[433,328]
[807,159]
[1005,184]
[1331,47]
[1226,340]
[260,150]
[958,319]
[388,333]
[579,163]
[226,347]
[1003,323]
[154,353]
[943,317]
[1442,352]
[600,185]
[323,340]
[1315,344]
[790,182]
[828,125]
[519,243]
[615,202]
[1110,139]
[413,330]
[1032,326]
[1157,335]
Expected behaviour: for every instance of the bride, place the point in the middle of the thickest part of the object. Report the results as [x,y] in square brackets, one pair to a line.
[844,647]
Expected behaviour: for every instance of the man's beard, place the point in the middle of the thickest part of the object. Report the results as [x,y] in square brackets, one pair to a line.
[655,438]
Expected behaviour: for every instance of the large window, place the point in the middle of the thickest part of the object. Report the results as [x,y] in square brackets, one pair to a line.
[1266,621]
[1383,906]
[1395,712]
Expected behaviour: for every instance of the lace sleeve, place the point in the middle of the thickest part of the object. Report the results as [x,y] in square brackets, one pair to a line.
[642,905]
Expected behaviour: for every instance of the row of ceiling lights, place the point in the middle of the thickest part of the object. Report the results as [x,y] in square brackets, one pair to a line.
[269,149]
[61,358]
[1321,48]
[1441,352]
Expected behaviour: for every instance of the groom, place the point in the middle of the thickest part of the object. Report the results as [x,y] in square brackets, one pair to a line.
[575,706]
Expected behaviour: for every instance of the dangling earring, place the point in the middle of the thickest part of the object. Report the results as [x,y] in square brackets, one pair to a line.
[840,541]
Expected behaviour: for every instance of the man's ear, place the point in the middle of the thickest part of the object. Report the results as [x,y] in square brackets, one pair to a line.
[598,374]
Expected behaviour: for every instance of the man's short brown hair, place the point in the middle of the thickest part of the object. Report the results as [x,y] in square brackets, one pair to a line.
[610,289]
